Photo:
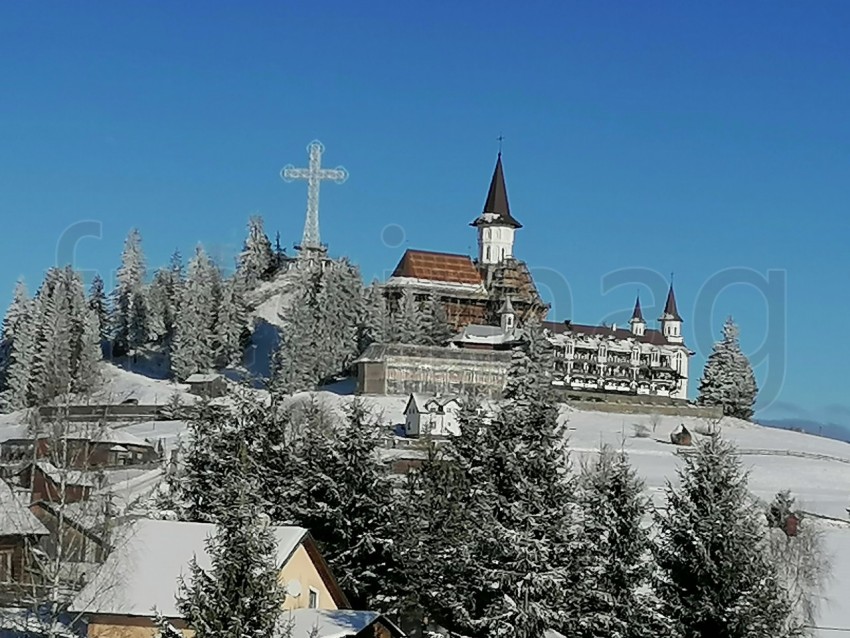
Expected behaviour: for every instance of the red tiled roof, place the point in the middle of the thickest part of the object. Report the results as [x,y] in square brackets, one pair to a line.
[650,336]
[423,264]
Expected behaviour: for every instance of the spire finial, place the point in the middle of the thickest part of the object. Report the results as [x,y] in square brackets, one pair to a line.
[500,138]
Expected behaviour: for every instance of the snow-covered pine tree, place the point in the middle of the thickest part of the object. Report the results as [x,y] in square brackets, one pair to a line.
[319,337]
[194,326]
[618,563]
[340,307]
[715,576]
[231,323]
[90,354]
[240,595]
[159,311]
[374,322]
[18,345]
[436,324]
[295,362]
[518,521]
[728,378]
[99,304]
[343,494]
[128,297]
[51,371]
[279,253]
[407,324]
[257,258]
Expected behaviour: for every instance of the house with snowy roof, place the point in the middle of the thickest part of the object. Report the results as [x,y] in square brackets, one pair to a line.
[150,556]
[431,415]
[20,532]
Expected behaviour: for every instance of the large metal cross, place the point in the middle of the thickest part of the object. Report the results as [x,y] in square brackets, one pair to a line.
[313,175]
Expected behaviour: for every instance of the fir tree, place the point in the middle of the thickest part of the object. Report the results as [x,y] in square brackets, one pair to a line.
[436,326]
[407,322]
[256,259]
[343,494]
[90,356]
[100,306]
[295,362]
[18,343]
[518,525]
[193,349]
[128,305]
[279,253]
[240,595]
[52,360]
[374,322]
[617,565]
[231,324]
[728,378]
[715,577]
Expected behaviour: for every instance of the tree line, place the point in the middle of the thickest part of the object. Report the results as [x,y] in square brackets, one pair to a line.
[497,533]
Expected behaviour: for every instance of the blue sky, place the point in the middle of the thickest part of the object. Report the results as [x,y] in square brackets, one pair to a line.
[640,138]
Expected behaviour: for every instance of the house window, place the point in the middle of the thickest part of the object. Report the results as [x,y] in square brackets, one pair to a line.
[488,253]
[503,254]
[314,598]
[6,566]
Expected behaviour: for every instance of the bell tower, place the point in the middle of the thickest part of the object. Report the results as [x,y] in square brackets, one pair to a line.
[496,225]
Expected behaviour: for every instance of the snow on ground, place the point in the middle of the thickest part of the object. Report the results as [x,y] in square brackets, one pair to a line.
[120,385]
[271,298]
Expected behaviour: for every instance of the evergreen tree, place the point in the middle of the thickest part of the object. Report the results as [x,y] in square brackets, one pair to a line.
[240,595]
[343,494]
[18,344]
[160,312]
[256,259]
[100,306]
[279,253]
[128,305]
[52,361]
[518,524]
[231,324]
[374,322]
[319,337]
[436,325]
[193,349]
[728,378]
[715,577]
[618,566]
[407,321]
[90,355]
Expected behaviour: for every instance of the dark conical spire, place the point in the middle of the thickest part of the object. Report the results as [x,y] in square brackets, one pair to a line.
[496,208]
[670,310]
[637,315]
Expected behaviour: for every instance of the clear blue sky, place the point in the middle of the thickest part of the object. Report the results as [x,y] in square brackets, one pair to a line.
[656,136]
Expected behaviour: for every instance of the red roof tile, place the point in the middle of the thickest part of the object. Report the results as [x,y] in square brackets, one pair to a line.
[422,264]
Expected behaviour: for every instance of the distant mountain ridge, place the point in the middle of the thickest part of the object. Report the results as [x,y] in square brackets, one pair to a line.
[829,430]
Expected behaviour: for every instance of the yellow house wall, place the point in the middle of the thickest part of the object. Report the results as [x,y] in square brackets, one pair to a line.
[300,567]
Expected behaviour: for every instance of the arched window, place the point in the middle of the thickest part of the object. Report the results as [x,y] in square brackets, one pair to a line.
[487,233]
[503,254]
[488,253]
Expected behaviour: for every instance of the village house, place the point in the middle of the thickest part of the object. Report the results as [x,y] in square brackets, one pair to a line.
[434,416]
[210,385]
[149,556]
[20,532]
[46,482]
[82,447]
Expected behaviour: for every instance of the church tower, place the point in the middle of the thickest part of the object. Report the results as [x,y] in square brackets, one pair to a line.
[638,325]
[495,225]
[671,322]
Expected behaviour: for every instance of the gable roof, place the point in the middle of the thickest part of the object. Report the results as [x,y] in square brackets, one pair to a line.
[150,556]
[433,266]
[333,623]
[15,517]
[497,211]
[651,336]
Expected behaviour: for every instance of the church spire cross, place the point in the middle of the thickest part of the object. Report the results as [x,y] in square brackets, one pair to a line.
[313,175]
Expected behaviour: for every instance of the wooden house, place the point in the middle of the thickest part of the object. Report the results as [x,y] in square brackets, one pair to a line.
[20,531]
[81,447]
[209,385]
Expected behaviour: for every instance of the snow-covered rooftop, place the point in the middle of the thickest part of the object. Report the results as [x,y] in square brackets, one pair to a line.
[142,572]
[15,517]
[328,623]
